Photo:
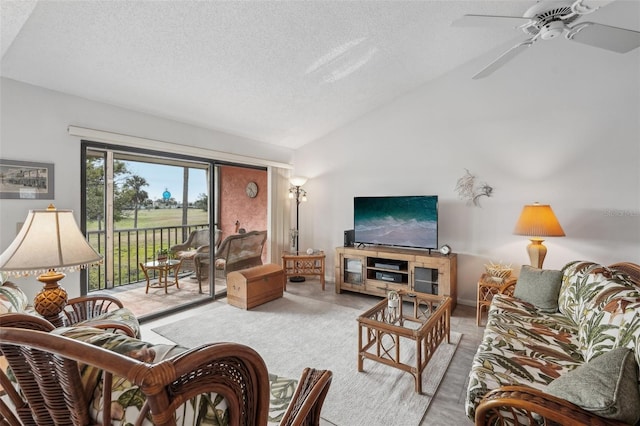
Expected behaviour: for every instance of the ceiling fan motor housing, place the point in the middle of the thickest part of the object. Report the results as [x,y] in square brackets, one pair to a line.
[552,30]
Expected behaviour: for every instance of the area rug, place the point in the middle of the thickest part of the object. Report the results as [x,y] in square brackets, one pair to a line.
[295,332]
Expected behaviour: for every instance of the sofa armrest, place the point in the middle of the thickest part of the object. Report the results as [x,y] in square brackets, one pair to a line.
[533,406]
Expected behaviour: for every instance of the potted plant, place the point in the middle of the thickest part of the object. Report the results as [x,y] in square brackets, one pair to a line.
[163,255]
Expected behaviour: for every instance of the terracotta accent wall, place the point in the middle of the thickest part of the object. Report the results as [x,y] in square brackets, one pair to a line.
[235,205]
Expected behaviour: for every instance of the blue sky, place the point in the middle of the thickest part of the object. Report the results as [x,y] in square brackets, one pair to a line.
[161,177]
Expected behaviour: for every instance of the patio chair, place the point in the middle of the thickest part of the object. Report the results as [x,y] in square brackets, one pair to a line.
[238,251]
[198,242]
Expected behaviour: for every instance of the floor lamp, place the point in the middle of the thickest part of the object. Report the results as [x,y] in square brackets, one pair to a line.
[537,221]
[49,243]
[296,192]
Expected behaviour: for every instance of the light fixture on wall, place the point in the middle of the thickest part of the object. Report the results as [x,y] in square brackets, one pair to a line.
[48,243]
[537,221]
[296,192]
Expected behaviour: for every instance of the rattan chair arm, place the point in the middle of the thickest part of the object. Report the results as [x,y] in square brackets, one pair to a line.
[21,320]
[499,406]
[184,246]
[308,398]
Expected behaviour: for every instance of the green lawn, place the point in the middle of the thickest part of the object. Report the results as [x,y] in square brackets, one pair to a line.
[153,218]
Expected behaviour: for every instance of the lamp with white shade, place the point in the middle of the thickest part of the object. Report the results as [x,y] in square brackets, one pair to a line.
[537,221]
[48,244]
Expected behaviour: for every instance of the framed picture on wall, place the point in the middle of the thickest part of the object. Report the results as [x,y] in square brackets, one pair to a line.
[26,180]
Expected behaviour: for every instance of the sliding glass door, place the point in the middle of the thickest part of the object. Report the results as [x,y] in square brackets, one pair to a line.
[139,204]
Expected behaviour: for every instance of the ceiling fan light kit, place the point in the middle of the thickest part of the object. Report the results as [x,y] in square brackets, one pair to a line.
[547,20]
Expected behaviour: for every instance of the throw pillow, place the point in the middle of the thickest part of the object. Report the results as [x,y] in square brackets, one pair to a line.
[12,298]
[540,287]
[606,386]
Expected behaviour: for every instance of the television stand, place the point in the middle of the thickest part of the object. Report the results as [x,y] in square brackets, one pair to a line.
[376,270]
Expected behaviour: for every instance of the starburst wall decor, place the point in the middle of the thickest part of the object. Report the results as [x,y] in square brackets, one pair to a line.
[468,189]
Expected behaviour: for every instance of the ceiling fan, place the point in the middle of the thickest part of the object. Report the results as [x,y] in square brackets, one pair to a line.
[547,20]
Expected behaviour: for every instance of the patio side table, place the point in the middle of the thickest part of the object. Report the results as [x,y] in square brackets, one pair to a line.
[163,268]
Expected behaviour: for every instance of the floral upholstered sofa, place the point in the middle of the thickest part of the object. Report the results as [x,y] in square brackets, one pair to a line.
[562,347]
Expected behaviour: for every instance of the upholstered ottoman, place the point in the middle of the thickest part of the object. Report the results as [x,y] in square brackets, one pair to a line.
[252,287]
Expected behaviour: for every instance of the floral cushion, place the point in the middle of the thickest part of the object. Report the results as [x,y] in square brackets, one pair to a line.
[521,346]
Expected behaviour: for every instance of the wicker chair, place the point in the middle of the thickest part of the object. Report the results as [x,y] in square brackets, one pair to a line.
[47,368]
[238,251]
[198,242]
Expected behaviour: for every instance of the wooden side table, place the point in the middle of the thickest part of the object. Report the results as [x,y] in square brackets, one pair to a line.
[295,264]
[487,287]
[163,268]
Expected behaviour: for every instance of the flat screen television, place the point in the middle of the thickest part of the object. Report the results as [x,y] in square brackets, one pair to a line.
[404,221]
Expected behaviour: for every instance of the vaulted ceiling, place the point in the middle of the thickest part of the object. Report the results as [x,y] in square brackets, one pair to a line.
[284,73]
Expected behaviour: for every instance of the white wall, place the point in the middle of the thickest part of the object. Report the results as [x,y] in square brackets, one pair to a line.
[559,125]
[33,127]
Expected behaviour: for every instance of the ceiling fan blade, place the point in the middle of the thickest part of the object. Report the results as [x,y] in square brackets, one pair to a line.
[594,4]
[503,59]
[604,36]
[489,21]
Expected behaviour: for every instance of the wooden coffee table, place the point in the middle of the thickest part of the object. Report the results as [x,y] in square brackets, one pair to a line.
[380,337]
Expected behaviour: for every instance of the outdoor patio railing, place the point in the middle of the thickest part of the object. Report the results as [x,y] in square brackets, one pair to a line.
[130,248]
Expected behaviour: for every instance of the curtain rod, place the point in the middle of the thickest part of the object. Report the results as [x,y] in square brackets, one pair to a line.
[176,148]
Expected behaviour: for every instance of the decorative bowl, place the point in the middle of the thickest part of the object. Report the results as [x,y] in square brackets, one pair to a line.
[497,271]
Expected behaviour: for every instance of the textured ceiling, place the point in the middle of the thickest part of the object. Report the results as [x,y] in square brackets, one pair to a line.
[284,73]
